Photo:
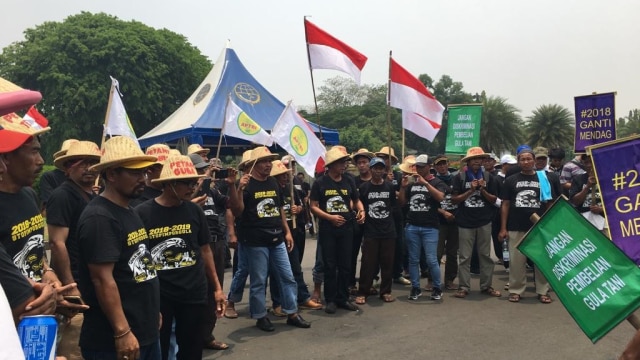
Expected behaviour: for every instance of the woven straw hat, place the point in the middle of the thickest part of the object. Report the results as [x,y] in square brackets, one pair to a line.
[14,122]
[245,158]
[177,168]
[408,167]
[122,151]
[260,153]
[161,151]
[362,152]
[64,147]
[174,152]
[388,151]
[78,150]
[278,168]
[334,154]
[196,148]
[475,152]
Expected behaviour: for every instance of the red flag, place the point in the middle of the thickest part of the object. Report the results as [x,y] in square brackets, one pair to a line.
[327,52]
[408,93]
[35,119]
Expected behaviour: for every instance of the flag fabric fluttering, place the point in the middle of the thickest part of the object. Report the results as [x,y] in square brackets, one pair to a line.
[420,125]
[293,134]
[35,119]
[327,52]
[117,120]
[239,125]
[408,93]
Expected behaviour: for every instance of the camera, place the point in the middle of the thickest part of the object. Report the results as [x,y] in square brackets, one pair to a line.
[221,174]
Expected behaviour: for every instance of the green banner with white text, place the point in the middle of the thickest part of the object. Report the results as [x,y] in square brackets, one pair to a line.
[463,130]
[595,281]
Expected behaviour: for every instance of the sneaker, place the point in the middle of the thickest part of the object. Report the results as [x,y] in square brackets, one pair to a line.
[436,294]
[415,293]
[402,281]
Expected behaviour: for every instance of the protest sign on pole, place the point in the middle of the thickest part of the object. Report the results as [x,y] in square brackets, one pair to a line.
[617,167]
[597,283]
[595,120]
[463,131]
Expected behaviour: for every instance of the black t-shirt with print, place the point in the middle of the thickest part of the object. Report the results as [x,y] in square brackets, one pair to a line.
[108,233]
[63,209]
[286,206]
[15,285]
[577,184]
[423,208]
[523,193]
[335,197]
[447,204]
[22,231]
[215,207]
[261,223]
[50,181]
[475,211]
[378,201]
[175,236]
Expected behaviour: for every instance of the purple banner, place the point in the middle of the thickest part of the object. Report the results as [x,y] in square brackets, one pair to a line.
[595,120]
[617,169]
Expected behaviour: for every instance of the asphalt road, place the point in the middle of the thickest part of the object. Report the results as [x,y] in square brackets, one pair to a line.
[475,328]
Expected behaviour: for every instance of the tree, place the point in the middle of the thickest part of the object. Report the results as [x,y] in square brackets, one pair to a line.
[70,63]
[550,126]
[501,125]
[340,92]
[630,125]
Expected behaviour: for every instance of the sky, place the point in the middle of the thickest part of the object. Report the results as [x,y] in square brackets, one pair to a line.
[531,52]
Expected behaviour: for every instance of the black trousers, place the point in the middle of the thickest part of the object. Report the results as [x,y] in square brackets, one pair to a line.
[189,321]
[336,245]
[218,249]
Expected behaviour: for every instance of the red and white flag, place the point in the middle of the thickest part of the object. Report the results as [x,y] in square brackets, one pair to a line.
[327,52]
[35,119]
[406,92]
[420,125]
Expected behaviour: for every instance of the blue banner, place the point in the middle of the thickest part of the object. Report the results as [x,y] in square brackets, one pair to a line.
[595,120]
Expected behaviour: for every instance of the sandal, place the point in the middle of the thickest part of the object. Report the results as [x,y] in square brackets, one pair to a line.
[514,297]
[491,292]
[216,345]
[387,298]
[461,293]
[373,291]
[361,300]
[451,286]
[545,299]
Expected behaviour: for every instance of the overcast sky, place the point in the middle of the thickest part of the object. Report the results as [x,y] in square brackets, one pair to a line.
[530,52]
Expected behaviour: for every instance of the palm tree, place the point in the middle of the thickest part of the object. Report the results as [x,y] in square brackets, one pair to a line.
[551,126]
[501,128]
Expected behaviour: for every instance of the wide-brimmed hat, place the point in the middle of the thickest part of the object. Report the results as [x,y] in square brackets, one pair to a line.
[196,149]
[161,151]
[245,158]
[177,168]
[198,161]
[277,168]
[334,154]
[122,151]
[408,167]
[16,123]
[14,98]
[387,151]
[78,150]
[362,152]
[64,147]
[475,152]
[260,153]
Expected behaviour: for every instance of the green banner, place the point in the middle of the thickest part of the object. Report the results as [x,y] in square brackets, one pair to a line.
[463,130]
[595,281]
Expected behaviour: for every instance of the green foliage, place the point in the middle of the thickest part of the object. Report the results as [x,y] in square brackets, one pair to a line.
[70,63]
[501,126]
[36,184]
[551,126]
[630,125]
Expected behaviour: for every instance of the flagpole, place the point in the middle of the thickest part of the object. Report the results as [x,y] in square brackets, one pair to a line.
[313,86]
[293,199]
[389,107]
[106,123]
[224,123]
[402,142]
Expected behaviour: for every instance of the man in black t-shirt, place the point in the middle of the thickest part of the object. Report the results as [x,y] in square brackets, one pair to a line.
[118,276]
[50,180]
[152,190]
[448,230]
[361,159]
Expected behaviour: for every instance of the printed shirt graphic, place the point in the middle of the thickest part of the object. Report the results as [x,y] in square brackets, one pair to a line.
[22,231]
[476,210]
[141,264]
[523,193]
[378,201]
[262,204]
[334,197]
[423,209]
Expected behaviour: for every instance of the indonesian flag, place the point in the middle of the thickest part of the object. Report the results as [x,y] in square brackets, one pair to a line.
[239,125]
[327,52]
[408,93]
[35,119]
[420,125]
[118,122]
[293,134]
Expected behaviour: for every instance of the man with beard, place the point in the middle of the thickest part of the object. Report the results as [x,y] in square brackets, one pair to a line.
[117,273]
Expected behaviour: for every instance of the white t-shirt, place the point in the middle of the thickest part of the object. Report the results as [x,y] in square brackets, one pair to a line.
[9,342]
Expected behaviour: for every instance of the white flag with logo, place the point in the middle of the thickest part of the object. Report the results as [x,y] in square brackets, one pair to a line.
[118,122]
[239,125]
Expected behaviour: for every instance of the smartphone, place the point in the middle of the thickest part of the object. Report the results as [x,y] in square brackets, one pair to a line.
[74,299]
[221,174]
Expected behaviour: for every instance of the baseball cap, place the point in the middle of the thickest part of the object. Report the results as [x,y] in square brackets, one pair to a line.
[508,159]
[422,160]
[377,161]
[440,158]
[11,140]
[198,161]
[541,152]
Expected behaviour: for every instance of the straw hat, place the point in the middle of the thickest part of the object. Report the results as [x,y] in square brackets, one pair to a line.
[196,149]
[245,158]
[64,147]
[362,152]
[177,168]
[174,152]
[260,153]
[14,98]
[14,122]
[161,151]
[408,167]
[387,151]
[409,159]
[475,152]
[78,150]
[122,151]
[334,154]
[278,168]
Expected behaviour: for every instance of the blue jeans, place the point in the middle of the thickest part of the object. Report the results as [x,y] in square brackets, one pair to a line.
[294,260]
[423,239]
[264,260]
[147,352]
[240,276]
